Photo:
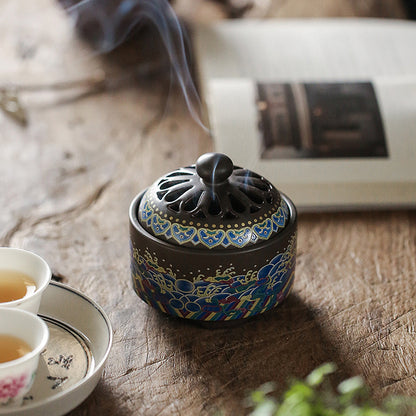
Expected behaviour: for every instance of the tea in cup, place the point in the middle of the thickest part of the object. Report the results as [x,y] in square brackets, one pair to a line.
[23,278]
[23,337]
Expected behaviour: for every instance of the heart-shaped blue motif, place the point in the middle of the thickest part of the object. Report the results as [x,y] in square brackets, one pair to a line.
[182,234]
[159,225]
[146,212]
[240,237]
[286,210]
[279,217]
[264,229]
[211,238]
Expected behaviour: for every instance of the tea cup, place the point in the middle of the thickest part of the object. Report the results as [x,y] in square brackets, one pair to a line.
[30,264]
[17,371]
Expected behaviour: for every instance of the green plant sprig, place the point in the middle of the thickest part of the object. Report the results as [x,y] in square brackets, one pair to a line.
[315,396]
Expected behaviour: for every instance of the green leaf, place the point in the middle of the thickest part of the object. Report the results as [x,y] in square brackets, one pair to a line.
[298,408]
[353,410]
[351,385]
[299,391]
[316,397]
[266,408]
[317,376]
[259,395]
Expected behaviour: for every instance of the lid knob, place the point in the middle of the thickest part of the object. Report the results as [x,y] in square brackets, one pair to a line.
[214,168]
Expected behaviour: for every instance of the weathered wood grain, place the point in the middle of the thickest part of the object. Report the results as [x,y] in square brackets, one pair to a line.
[66,183]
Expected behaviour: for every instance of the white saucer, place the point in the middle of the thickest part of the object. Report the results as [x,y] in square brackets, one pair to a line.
[72,364]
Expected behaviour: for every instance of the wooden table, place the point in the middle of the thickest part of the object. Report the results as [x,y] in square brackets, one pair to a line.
[67,180]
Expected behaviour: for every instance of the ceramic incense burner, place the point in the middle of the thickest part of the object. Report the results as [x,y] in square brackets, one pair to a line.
[212,242]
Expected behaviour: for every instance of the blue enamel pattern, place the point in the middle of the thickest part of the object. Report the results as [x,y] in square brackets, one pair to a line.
[215,298]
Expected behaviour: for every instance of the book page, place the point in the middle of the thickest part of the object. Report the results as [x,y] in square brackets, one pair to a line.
[306,49]
[384,179]
[325,109]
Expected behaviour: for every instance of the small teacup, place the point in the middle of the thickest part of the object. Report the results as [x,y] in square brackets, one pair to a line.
[25,262]
[31,335]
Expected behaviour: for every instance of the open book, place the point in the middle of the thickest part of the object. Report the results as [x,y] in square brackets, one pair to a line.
[323,108]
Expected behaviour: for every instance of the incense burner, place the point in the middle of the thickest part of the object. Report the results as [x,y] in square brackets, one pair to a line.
[212,242]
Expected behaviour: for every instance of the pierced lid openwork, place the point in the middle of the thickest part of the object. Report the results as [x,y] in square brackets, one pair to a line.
[213,204]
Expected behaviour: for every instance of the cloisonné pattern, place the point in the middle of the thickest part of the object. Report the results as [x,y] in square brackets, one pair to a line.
[202,235]
[219,297]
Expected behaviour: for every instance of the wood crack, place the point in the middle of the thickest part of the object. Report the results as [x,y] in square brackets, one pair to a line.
[77,209]
[391,382]
[23,223]
[5,241]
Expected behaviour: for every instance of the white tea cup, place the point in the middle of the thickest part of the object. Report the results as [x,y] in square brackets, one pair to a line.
[17,375]
[18,260]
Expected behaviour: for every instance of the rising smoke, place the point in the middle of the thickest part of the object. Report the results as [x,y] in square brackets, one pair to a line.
[108,23]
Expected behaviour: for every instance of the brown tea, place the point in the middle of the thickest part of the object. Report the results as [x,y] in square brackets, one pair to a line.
[15,285]
[12,348]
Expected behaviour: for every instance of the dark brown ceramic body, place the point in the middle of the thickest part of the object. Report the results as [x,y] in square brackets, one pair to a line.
[212,285]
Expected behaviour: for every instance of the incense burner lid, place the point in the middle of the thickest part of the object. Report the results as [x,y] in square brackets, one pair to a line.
[213,205]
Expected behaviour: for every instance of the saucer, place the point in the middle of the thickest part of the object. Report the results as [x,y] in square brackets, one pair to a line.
[72,364]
